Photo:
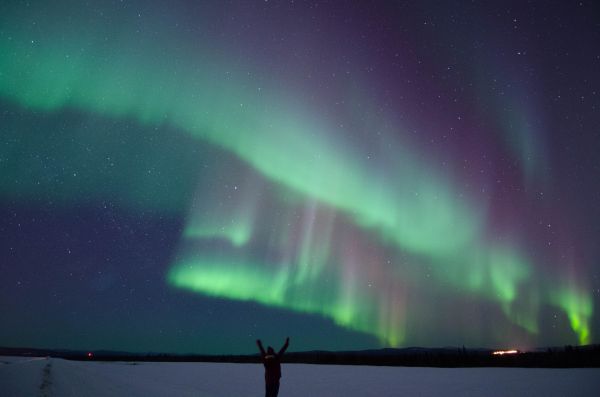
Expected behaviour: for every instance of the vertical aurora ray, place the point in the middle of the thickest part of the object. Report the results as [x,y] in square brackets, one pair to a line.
[578,307]
[304,262]
[518,127]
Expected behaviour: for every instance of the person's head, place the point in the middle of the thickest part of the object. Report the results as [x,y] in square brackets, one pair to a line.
[270,350]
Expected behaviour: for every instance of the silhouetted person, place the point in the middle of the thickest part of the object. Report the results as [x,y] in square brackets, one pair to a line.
[272,363]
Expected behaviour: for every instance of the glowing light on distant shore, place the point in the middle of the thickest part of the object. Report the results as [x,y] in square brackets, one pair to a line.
[503,352]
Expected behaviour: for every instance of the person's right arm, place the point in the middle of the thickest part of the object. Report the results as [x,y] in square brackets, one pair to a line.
[285,346]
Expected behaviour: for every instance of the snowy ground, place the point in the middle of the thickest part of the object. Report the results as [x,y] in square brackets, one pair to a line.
[55,377]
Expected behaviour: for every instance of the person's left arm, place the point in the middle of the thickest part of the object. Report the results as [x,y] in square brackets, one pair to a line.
[261,348]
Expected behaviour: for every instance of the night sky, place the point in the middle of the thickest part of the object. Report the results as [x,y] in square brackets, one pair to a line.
[190,176]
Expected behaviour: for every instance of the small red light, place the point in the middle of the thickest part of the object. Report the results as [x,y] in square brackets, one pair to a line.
[90,355]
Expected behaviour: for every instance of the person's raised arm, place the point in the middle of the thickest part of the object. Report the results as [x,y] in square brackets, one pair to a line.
[285,346]
[261,348]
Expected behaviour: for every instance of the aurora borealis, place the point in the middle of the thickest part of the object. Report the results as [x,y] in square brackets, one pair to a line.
[189,176]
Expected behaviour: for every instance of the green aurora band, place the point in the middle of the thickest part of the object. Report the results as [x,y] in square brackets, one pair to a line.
[412,208]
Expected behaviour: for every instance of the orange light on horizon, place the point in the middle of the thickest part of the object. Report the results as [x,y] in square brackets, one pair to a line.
[503,352]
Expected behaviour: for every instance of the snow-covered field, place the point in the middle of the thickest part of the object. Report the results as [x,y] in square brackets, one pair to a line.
[56,377]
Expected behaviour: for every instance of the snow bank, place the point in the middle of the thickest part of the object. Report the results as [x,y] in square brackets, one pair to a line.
[61,378]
